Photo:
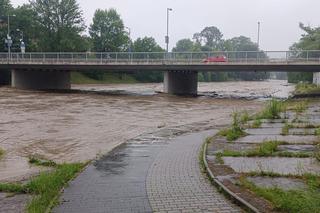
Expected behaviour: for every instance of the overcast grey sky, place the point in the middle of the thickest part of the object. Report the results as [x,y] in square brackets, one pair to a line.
[279,18]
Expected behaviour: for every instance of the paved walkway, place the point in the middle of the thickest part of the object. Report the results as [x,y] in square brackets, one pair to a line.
[161,176]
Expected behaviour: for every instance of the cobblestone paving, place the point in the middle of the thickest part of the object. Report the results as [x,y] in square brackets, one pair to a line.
[175,183]
[115,183]
[161,176]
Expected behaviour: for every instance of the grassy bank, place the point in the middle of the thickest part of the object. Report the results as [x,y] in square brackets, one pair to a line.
[107,78]
[306,88]
[46,187]
[296,201]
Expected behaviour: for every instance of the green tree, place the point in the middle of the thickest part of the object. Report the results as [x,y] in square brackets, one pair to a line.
[5,9]
[147,44]
[185,45]
[310,40]
[28,29]
[210,37]
[108,32]
[60,23]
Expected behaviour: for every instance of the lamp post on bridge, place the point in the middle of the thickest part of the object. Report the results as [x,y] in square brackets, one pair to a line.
[258,40]
[167,36]
[130,44]
[9,40]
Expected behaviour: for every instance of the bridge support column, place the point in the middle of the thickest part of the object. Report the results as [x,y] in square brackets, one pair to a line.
[181,82]
[316,78]
[41,79]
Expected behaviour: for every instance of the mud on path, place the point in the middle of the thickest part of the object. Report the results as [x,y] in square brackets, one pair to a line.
[71,127]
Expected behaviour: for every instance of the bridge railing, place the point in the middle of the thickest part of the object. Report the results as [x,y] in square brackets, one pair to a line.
[257,57]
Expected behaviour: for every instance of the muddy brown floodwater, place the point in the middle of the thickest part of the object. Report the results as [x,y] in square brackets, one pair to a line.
[78,126]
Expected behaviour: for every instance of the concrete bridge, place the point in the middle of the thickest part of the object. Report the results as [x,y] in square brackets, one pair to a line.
[52,70]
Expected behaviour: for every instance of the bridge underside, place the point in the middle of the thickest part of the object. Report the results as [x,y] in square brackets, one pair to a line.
[181,83]
[175,82]
[41,80]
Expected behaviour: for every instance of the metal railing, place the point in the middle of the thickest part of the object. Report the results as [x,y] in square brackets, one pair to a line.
[95,58]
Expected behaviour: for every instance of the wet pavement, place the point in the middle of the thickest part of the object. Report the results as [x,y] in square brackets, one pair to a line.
[285,166]
[279,165]
[154,176]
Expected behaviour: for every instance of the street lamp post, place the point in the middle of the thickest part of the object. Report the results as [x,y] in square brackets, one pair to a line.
[167,36]
[129,32]
[258,41]
[9,40]
[22,44]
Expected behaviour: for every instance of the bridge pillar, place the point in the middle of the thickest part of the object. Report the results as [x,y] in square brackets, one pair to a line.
[41,79]
[316,78]
[181,82]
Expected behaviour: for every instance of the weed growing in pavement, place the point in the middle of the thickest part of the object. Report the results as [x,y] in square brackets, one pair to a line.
[235,131]
[289,200]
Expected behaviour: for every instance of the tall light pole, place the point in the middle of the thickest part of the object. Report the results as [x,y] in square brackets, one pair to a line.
[9,40]
[129,32]
[258,41]
[167,36]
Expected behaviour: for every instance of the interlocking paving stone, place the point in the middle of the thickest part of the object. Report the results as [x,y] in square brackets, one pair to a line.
[293,139]
[175,182]
[115,183]
[147,177]
[281,165]
[279,182]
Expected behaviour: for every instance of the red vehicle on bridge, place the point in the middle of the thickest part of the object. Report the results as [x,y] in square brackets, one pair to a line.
[219,58]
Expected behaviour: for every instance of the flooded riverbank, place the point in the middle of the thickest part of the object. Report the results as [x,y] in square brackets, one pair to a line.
[71,127]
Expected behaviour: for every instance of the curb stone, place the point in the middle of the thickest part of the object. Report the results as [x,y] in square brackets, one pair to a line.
[234,196]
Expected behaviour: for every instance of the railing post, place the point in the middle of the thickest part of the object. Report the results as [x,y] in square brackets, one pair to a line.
[307,55]
[116,57]
[246,57]
[100,58]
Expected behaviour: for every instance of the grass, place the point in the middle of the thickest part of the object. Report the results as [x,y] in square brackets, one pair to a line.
[107,78]
[285,129]
[41,162]
[266,149]
[235,131]
[46,187]
[272,110]
[256,123]
[219,158]
[317,131]
[245,117]
[302,201]
[317,152]
[305,88]
[1,153]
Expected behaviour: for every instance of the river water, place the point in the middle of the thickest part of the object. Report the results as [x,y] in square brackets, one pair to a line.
[91,120]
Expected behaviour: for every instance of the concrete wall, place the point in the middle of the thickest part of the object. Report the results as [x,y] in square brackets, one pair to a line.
[40,80]
[181,83]
[316,78]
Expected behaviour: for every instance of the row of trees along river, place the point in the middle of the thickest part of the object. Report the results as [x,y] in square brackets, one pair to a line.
[58,26]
